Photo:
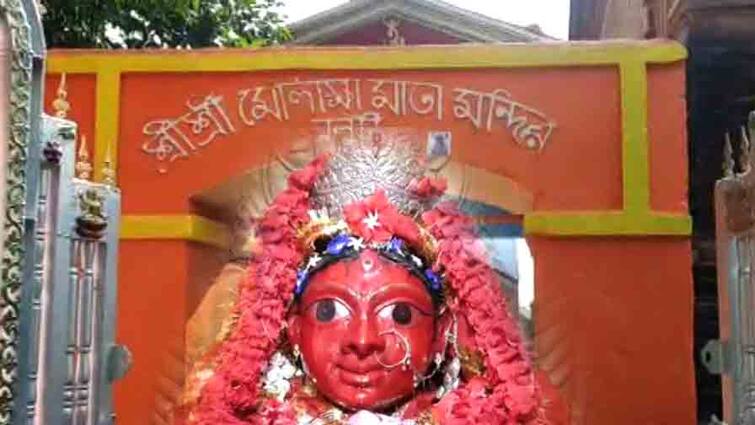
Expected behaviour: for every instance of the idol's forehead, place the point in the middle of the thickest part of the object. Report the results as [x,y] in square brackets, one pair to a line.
[364,275]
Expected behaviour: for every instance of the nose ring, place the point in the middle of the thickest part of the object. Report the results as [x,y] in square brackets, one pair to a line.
[405,362]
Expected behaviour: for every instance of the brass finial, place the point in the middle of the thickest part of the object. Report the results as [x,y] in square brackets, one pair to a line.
[728,157]
[60,105]
[83,166]
[108,173]
[748,134]
[744,154]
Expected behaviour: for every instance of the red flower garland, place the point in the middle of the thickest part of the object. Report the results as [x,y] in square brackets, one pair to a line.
[232,394]
[508,393]
[389,221]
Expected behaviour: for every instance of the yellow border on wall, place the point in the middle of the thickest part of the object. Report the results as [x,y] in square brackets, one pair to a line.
[416,57]
[607,224]
[108,94]
[195,228]
[179,227]
[631,59]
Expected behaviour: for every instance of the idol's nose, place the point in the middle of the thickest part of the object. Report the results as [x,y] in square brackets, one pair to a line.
[364,338]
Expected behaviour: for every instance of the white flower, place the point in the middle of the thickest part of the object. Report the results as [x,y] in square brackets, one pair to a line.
[277,376]
[304,419]
[279,389]
[357,244]
[365,417]
[314,260]
[372,220]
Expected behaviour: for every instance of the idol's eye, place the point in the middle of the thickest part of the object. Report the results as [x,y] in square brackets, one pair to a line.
[329,309]
[399,312]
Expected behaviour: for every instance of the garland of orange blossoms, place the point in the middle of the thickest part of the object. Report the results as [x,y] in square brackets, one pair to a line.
[505,394]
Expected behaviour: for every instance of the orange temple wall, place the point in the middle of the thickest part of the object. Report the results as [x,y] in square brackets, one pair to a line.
[605,214]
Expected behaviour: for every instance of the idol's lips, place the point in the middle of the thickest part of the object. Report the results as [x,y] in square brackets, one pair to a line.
[367,377]
[359,367]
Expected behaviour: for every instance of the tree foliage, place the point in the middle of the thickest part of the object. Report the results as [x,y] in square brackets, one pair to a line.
[162,23]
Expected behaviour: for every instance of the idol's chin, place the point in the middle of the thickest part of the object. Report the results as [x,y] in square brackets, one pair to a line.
[360,390]
[363,399]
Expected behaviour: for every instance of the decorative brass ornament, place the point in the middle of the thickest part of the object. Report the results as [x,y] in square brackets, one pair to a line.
[60,105]
[426,418]
[320,224]
[472,362]
[92,221]
[83,166]
[108,172]
[359,167]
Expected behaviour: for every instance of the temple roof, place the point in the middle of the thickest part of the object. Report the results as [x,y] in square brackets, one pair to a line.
[460,24]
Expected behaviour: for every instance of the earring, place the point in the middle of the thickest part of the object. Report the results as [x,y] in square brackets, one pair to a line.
[299,360]
[437,360]
[308,381]
[420,379]
[451,377]
[297,354]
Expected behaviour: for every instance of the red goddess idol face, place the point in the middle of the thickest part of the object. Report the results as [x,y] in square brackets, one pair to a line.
[357,320]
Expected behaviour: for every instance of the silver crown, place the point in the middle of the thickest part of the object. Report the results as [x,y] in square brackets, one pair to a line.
[358,168]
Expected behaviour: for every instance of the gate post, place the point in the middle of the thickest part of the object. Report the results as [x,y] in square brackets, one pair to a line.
[733,356]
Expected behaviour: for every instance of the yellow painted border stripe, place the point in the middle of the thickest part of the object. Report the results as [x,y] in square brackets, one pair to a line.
[635,146]
[107,112]
[631,58]
[199,229]
[177,227]
[420,57]
[607,224]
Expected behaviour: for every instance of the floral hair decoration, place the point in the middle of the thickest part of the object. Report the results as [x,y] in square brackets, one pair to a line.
[229,383]
[328,241]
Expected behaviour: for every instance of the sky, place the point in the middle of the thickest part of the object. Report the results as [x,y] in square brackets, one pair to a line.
[551,15]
